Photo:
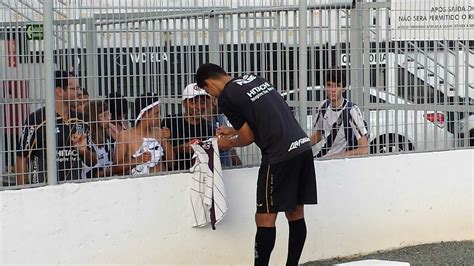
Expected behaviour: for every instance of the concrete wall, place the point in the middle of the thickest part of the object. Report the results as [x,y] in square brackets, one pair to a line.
[365,205]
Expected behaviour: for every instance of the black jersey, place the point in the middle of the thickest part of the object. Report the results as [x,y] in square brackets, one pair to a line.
[32,145]
[254,100]
[182,132]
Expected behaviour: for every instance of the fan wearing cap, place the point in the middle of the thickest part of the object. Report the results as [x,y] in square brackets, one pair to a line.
[144,148]
[189,126]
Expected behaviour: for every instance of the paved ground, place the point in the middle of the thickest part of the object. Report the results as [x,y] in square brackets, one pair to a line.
[448,253]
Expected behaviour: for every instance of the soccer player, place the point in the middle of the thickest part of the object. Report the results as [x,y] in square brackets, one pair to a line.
[286,180]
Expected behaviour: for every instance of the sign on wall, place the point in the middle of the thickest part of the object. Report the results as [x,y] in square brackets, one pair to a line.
[34,32]
[432,19]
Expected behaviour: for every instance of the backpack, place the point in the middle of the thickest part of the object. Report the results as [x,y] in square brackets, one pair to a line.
[352,142]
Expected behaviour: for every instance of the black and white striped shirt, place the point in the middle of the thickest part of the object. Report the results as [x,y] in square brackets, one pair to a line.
[329,121]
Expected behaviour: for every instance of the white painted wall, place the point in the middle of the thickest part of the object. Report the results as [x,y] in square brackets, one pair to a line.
[365,205]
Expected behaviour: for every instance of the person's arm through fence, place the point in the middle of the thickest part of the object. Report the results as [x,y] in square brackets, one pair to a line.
[169,155]
[362,149]
[21,169]
[316,137]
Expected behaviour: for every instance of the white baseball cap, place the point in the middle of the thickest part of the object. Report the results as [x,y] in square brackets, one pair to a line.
[192,90]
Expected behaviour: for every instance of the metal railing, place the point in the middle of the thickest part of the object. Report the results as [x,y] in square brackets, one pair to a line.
[415,94]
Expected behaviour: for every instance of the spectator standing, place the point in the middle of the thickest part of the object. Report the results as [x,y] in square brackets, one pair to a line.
[189,126]
[338,122]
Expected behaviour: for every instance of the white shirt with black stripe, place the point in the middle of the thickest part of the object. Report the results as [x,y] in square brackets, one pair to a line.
[207,190]
[333,137]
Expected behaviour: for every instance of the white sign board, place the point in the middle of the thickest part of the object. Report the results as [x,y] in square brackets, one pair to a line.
[374,59]
[432,19]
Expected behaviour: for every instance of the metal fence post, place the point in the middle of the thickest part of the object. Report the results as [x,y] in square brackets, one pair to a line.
[356,53]
[91,59]
[303,68]
[214,38]
[49,93]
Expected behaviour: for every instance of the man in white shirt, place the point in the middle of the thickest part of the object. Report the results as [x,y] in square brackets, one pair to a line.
[338,123]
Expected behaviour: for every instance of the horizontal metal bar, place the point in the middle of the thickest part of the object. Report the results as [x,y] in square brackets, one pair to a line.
[421,107]
[155,7]
[151,13]
[375,5]
[233,11]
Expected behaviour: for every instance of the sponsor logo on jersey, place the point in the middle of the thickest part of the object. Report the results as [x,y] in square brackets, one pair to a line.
[245,79]
[66,155]
[298,143]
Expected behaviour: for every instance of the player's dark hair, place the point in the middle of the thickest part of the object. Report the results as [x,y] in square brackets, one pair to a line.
[208,71]
[61,77]
[337,76]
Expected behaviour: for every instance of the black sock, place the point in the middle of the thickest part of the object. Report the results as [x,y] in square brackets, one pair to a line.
[296,241]
[264,243]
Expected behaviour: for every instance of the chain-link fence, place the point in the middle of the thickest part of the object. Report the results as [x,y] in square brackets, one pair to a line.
[123,105]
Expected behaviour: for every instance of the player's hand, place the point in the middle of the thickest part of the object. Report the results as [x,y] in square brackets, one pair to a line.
[224,131]
[224,144]
[165,133]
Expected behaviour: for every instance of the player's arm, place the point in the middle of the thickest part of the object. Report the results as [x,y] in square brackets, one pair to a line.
[243,137]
